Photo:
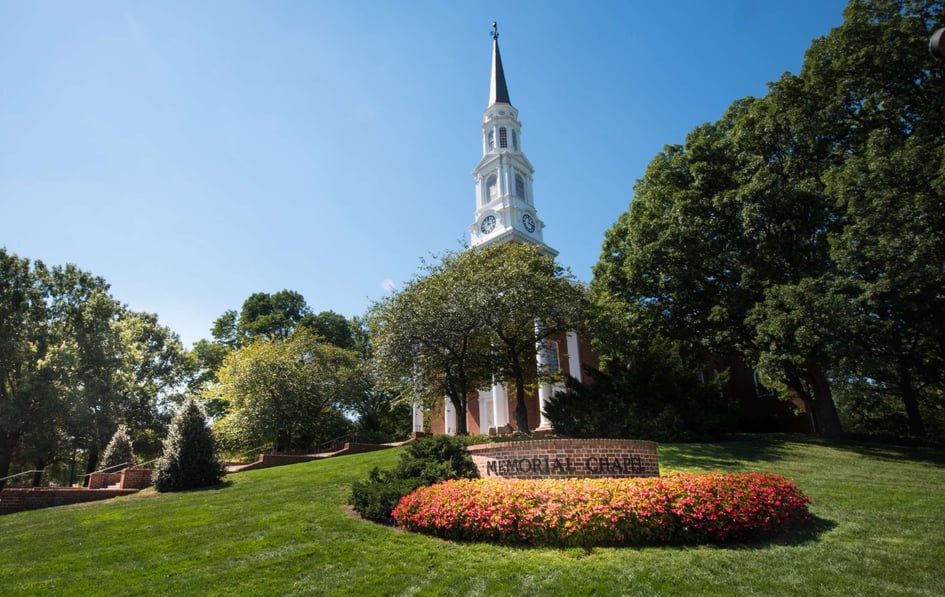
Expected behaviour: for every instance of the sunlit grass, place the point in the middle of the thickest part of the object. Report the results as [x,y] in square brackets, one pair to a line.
[879,514]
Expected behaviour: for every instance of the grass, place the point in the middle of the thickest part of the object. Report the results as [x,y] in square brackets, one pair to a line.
[878,530]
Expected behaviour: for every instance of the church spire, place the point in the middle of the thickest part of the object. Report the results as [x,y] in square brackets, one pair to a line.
[498,90]
[505,208]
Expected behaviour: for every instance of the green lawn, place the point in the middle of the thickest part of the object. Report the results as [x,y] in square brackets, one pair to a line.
[879,529]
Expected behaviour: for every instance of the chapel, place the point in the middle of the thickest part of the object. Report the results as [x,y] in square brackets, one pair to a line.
[505,212]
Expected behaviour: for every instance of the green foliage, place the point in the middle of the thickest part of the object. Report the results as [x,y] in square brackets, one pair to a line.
[803,231]
[75,364]
[119,450]
[189,459]
[655,396]
[448,333]
[426,461]
[271,315]
[288,393]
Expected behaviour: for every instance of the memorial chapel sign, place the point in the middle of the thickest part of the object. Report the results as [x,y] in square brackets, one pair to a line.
[566,458]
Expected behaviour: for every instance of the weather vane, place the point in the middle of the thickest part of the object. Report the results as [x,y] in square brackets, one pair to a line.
[495,30]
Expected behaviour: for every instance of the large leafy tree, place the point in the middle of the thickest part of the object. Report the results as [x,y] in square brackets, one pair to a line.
[428,337]
[529,298]
[875,79]
[803,230]
[289,393]
[74,364]
[472,319]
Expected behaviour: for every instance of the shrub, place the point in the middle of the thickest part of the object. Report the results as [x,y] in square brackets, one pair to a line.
[189,459]
[427,461]
[119,450]
[654,396]
[678,509]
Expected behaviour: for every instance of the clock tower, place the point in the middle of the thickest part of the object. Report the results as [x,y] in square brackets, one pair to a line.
[505,207]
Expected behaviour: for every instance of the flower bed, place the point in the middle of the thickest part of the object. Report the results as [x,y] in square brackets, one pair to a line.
[680,508]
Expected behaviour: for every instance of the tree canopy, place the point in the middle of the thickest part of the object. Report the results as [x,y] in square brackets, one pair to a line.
[471,319]
[75,364]
[288,393]
[803,231]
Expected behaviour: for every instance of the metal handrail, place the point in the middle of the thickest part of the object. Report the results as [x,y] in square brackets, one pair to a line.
[252,450]
[329,443]
[21,474]
[123,464]
[107,468]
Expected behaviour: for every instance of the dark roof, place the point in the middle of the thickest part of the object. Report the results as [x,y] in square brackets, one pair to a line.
[498,90]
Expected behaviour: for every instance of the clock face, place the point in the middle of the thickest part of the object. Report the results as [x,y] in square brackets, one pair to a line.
[528,222]
[487,225]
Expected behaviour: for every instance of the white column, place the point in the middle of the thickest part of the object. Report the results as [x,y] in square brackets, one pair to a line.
[500,405]
[574,357]
[486,412]
[449,417]
[544,391]
[417,418]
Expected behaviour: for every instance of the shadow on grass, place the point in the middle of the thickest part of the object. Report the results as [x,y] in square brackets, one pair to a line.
[724,455]
[894,453]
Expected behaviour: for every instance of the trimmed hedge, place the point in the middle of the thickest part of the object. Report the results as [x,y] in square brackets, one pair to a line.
[678,509]
[427,461]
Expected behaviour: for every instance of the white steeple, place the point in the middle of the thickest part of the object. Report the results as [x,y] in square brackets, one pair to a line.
[505,207]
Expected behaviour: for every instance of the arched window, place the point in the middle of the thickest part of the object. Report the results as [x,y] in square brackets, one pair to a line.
[491,139]
[492,187]
[552,357]
[519,185]
[503,138]
[514,140]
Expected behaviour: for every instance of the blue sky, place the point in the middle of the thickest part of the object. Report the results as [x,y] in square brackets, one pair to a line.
[192,153]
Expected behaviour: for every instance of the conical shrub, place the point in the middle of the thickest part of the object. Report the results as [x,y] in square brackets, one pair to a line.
[119,450]
[189,460]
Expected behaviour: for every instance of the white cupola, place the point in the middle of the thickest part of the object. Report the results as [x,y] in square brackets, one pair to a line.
[505,206]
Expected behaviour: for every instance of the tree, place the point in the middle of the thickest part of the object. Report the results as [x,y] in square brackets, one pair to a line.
[119,450]
[382,416]
[189,460]
[74,364]
[530,299]
[289,393]
[428,337]
[331,326]
[474,319]
[24,382]
[263,315]
[271,315]
[803,231]
[874,78]
[713,227]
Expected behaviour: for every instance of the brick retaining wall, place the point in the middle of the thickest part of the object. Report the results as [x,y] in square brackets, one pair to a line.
[566,458]
[20,499]
[103,480]
[135,477]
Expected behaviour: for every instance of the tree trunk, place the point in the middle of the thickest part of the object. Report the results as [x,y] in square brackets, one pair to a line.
[6,456]
[910,399]
[521,410]
[91,463]
[39,466]
[826,420]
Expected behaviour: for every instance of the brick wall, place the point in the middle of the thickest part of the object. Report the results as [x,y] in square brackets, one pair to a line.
[103,480]
[564,458]
[20,499]
[135,477]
